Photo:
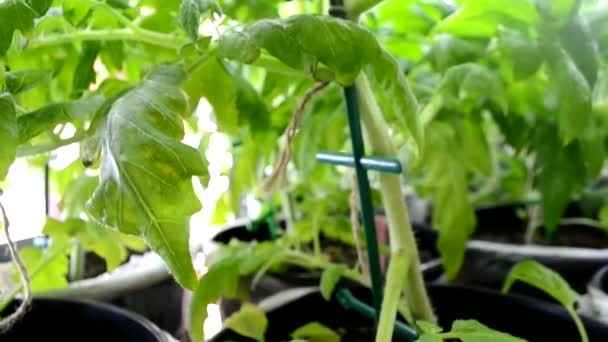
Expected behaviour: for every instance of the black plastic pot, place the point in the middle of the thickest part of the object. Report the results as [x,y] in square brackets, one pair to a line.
[497,245]
[296,277]
[70,320]
[531,319]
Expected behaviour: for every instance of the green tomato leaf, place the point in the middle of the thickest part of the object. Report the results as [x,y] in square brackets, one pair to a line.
[578,42]
[453,213]
[47,118]
[475,144]
[427,337]
[574,94]
[40,6]
[395,96]
[344,48]
[9,133]
[221,279]
[260,256]
[557,12]
[464,85]
[473,331]
[561,173]
[330,279]
[49,275]
[428,327]
[23,80]
[190,12]
[146,173]
[522,51]
[21,18]
[315,332]
[84,74]
[250,321]
[535,274]
[480,18]
[448,51]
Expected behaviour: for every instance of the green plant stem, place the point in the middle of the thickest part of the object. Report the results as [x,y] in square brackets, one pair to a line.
[397,268]
[30,150]
[579,324]
[77,261]
[431,109]
[6,300]
[289,217]
[125,34]
[403,243]
[355,8]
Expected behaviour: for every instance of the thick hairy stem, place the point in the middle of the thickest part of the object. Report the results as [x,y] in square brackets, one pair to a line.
[398,267]
[400,229]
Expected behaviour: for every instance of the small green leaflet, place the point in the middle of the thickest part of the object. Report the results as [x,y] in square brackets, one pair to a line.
[22,18]
[574,94]
[344,48]
[250,321]
[533,273]
[330,279]
[146,173]
[448,51]
[481,18]
[464,85]
[315,332]
[84,73]
[190,12]
[23,80]
[9,133]
[50,277]
[221,279]
[466,331]
[47,118]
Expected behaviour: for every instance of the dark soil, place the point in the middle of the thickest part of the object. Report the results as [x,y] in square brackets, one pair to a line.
[507,224]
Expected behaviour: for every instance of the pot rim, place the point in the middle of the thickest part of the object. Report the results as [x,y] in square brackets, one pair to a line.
[518,250]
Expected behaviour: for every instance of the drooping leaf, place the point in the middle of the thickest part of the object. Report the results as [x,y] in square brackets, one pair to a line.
[315,332]
[574,95]
[9,133]
[190,12]
[297,43]
[250,321]
[146,174]
[533,273]
[560,174]
[477,149]
[23,80]
[330,279]
[50,277]
[221,278]
[453,213]
[344,48]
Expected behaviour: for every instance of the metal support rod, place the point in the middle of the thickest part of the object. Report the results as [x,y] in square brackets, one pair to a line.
[367,210]
[369,163]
